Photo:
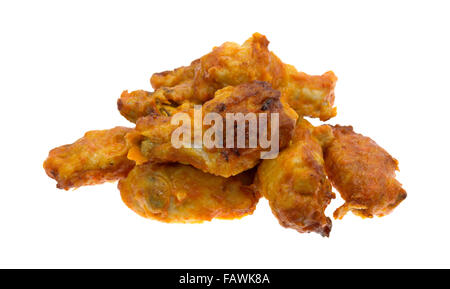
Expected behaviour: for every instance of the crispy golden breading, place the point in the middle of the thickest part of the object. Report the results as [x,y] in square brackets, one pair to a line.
[141,103]
[151,141]
[204,147]
[363,173]
[174,77]
[295,183]
[231,64]
[176,193]
[99,156]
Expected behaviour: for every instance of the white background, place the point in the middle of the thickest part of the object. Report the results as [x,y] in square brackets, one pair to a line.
[63,64]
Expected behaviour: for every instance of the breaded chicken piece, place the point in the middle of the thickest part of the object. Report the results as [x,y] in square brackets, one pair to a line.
[97,157]
[363,173]
[176,193]
[295,183]
[231,64]
[141,103]
[151,140]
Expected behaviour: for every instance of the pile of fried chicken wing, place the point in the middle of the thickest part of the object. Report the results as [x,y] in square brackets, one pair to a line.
[192,185]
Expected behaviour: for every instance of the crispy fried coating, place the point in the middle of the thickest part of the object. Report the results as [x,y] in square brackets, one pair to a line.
[231,64]
[295,183]
[151,140]
[174,77]
[363,173]
[141,103]
[176,193]
[97,157]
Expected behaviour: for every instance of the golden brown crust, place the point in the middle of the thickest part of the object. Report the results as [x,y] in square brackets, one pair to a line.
[140,103]
[231,64]
[151,141]
[363,173]
[99,156]
[161,181]
[176,193]
[296,185]
[174,77]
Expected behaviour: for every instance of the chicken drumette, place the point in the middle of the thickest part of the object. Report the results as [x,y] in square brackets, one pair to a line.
[295,183]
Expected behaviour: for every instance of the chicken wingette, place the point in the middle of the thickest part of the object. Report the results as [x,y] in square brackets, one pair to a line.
[176,193]
[97,157]
[363,173]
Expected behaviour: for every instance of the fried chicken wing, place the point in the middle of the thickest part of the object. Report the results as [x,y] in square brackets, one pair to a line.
[295,183]
[176,193]
[231,64]
[99,156]
[217,134]
[151,141]
[363,173]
